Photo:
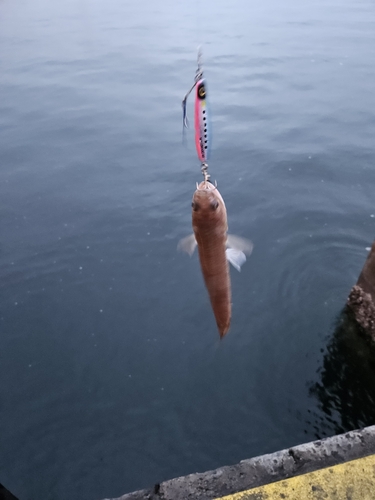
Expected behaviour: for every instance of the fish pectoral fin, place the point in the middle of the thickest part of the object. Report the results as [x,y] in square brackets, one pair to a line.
[235,257]
[242,244]
[187,244]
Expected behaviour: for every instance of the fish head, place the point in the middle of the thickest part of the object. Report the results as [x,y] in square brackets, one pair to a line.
[208,205]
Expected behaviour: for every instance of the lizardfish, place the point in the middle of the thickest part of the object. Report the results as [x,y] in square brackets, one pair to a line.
[215,248]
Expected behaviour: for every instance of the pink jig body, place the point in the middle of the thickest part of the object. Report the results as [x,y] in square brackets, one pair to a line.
[201,117]
[202,138]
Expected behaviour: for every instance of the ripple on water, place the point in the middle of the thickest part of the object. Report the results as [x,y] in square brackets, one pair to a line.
[316,257]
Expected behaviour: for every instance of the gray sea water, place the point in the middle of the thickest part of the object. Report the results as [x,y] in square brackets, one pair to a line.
[112,375]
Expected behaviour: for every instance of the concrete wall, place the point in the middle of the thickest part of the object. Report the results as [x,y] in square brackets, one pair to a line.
[264,469]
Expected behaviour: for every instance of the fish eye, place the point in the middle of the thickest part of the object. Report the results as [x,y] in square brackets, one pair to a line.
[195,206]
[214,204]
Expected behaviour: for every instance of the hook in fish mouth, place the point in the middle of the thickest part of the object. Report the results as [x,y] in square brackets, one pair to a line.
[206,185]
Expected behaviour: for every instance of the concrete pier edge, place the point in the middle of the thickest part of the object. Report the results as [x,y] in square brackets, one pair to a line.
[264,469]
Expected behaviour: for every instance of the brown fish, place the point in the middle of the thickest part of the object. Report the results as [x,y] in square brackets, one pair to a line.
[215,248]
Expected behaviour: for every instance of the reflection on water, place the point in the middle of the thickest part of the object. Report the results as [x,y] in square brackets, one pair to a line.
[346,389]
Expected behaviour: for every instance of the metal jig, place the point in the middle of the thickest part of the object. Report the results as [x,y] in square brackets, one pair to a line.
[202,135]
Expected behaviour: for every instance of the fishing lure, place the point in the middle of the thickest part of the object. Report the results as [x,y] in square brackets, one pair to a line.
[201,117]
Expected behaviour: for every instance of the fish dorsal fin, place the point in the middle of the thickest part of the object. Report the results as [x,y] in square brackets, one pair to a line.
[187,244]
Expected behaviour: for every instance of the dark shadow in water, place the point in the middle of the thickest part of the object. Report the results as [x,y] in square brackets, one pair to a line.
[346,390]
[5,494]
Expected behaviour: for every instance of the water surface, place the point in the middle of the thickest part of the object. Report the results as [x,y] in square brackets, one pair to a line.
[112,376]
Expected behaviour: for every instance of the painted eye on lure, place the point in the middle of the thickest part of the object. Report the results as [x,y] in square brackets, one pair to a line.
[201,91]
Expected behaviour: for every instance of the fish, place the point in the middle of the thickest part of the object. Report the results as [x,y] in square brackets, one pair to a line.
[215,248]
